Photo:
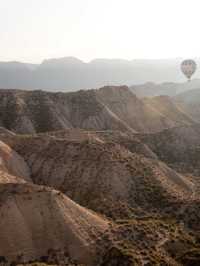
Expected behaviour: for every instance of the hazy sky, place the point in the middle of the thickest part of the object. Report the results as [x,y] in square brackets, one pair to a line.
[31,30]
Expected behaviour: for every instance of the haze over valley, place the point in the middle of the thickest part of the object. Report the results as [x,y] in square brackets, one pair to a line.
[70,73]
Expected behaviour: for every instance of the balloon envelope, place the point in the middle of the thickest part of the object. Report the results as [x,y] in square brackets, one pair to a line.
[188,68]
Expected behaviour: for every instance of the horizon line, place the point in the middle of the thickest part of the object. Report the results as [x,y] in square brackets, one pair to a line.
[96,59]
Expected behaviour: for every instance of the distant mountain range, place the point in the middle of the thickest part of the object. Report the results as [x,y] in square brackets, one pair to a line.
[151,89]
[70,73]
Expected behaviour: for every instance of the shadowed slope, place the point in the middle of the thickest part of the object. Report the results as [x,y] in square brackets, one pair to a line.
[179,147]
[39,111]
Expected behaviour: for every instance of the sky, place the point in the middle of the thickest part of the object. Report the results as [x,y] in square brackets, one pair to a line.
[33,30]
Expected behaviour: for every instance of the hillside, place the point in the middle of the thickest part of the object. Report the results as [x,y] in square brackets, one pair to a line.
[97,174]
[125,139]
[41,224]
[38,222]
[13,164]
[135,112]
[39,111]
[190,102]
[100,178]
[97,169]
[128,140]
[179,147]
[109,108]
[170,109]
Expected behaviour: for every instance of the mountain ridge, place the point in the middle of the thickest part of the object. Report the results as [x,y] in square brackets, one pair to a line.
[108,108]
[70,73]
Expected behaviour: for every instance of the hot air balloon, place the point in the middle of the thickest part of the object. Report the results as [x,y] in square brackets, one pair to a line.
[188,67]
